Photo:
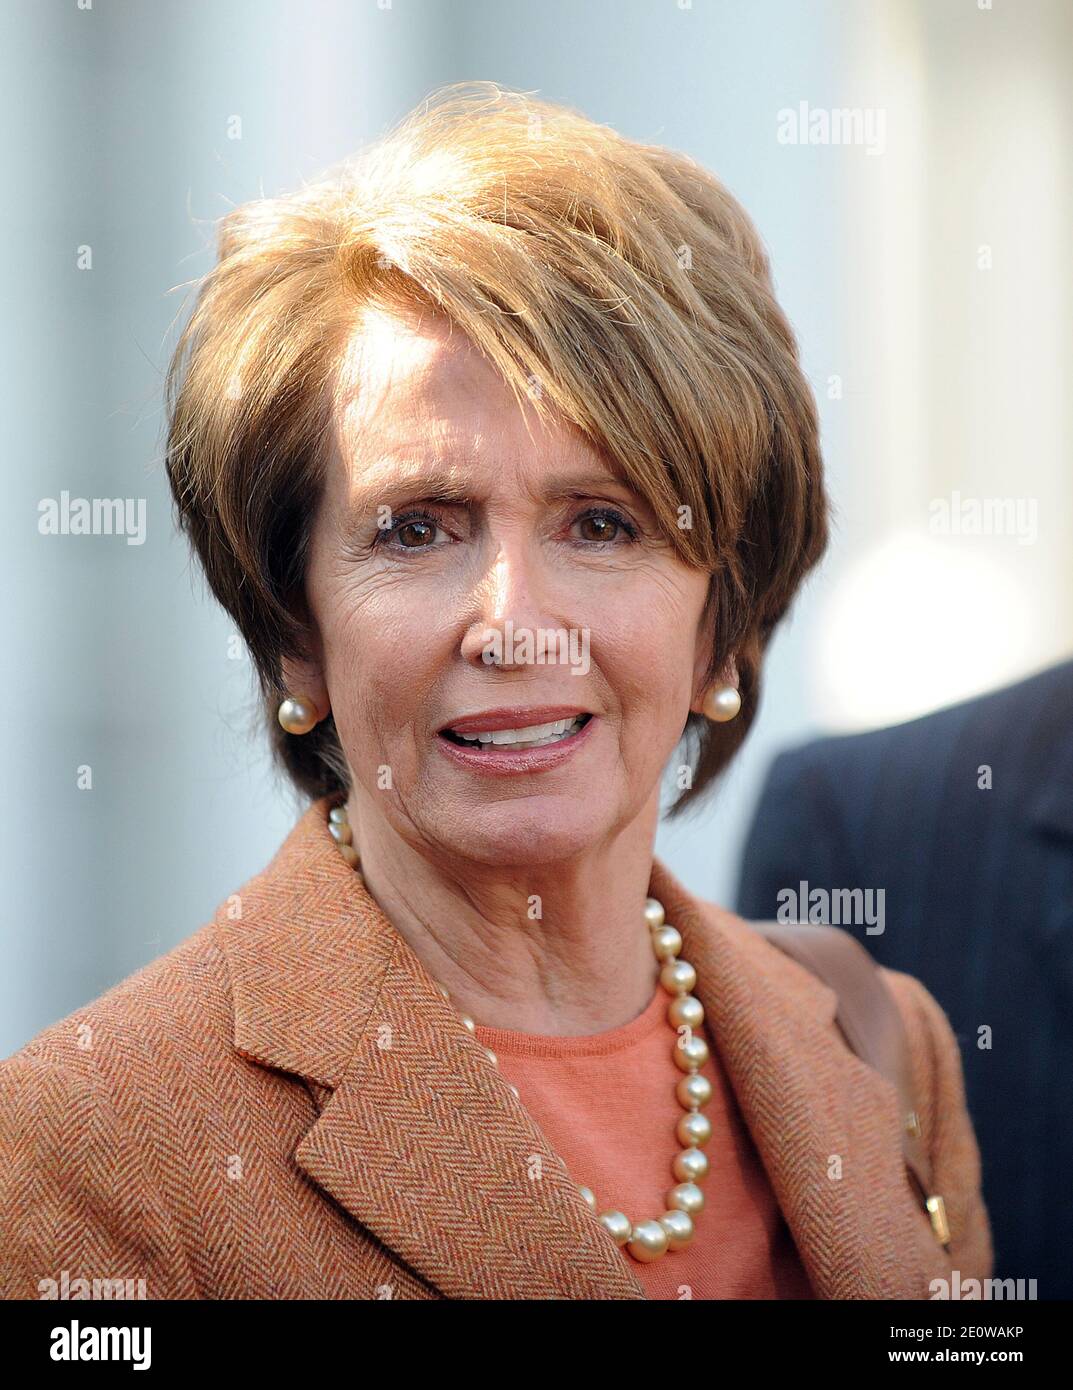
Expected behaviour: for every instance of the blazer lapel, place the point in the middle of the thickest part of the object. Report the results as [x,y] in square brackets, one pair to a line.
[425,1144]
[421,1140]
[825,1124]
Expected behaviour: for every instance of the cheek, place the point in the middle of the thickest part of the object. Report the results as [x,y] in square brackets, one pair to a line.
[653,688]
[381,656]
[647,643]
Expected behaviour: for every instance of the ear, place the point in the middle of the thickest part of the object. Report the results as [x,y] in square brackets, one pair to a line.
[306,679]
[303,676]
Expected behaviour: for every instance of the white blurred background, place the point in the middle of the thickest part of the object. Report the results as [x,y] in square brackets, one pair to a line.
[925,266]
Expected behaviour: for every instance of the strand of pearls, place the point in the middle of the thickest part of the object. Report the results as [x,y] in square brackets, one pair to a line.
[649,1239]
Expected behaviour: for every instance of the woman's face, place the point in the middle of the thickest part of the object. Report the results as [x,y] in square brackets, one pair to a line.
[466,578]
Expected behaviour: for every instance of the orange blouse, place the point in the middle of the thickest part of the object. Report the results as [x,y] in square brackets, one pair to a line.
[606,1103]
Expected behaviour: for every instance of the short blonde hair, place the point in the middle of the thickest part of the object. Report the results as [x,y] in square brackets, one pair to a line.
[617,284]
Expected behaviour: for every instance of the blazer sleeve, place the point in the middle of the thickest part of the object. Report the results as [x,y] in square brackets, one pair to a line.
[76,1194]
[939,1086]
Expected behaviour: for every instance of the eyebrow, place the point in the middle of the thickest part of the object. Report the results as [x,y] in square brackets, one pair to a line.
[435,484]
[441,484]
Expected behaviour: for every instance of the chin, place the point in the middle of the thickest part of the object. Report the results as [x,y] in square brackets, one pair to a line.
[529,831]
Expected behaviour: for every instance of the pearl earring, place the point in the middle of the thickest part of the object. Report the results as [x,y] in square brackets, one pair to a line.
[297,714]
[722,703]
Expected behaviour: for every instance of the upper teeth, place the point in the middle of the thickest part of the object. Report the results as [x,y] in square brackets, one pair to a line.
[532,733]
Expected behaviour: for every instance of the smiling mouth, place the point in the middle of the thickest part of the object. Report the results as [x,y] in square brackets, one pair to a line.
[532,736]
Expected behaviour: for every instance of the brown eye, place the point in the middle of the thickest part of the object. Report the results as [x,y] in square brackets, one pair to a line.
[599,528]
[603,527]
[422,533]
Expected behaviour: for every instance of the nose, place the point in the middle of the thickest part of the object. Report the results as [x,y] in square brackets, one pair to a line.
[509,598]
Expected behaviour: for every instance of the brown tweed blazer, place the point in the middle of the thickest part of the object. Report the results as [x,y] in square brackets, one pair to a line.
[284,1106]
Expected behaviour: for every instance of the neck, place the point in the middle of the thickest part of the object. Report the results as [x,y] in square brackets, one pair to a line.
[558,949]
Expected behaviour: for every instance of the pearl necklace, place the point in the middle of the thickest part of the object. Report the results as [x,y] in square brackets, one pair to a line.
[645,1240]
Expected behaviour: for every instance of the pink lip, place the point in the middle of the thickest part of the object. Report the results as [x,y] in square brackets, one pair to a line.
[519,718]
[504,761]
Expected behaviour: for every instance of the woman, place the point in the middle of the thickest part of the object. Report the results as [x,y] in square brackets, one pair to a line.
[496,446]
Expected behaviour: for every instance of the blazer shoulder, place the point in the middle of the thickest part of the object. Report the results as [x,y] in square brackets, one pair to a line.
[92,1158]
[918,1006]
[135,1027]
[933,1043]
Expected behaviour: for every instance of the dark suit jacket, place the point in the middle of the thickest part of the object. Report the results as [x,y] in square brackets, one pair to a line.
[978,906]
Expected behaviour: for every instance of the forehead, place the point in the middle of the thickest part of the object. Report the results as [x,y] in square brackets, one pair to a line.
[395,367]
[412,388]
[388,355]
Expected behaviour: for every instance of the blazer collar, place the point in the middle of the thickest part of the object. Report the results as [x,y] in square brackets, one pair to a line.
[423,1143]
